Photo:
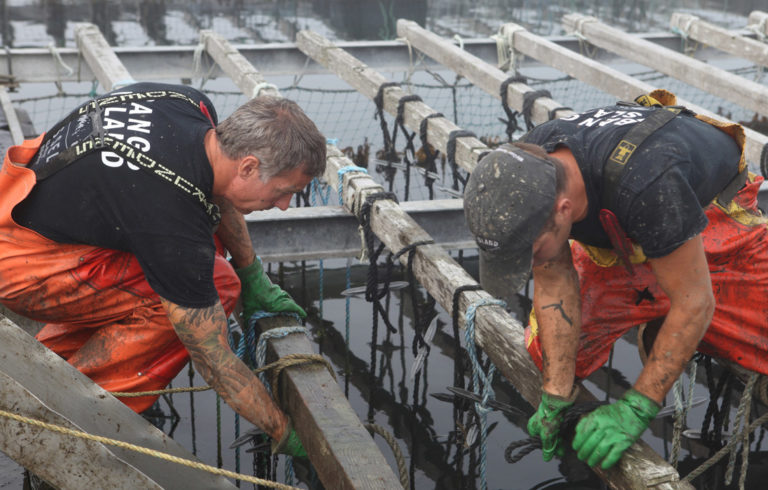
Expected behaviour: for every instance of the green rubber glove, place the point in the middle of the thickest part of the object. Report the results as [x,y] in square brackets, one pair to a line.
[290,444]
[603,435]
[545,423]
[259,294]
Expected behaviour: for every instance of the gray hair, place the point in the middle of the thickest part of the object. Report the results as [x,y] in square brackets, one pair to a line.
[277,132]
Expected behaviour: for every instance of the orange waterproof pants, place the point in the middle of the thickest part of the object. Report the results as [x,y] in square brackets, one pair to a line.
[102,316]
[613,301]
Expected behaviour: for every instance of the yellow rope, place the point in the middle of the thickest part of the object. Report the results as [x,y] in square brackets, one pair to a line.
[278,366]
[147,451]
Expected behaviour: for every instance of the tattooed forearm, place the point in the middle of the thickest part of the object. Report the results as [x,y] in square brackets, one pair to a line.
[203,333]
[559,307]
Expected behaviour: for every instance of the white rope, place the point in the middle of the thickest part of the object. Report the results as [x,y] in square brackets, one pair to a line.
[59,60]
[262,86]
[505,45]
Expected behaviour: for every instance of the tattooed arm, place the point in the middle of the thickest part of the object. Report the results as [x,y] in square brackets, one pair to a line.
[203,333]
[233,233]
[684,277]
[557,303]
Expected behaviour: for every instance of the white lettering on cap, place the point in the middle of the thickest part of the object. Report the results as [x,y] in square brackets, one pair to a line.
[487,242]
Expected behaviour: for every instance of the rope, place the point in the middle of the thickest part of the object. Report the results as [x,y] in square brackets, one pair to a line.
[143,450]
[430,153]
[263,86]
[570,418]
[511,121]
[428,180]
[505,45]
[529,98]
[404,480]
[450,153]
[725,450]
[553,112]
[420,346]
[477,375]
[742,419]
[458,372]
[390,154]
[681,412]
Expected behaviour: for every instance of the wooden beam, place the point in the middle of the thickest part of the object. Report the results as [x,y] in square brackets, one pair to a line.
[342,451]
[240,70]
[367,81]
[580,67]
[36,383]
[758,23]
[102,60]
[746,93]
[691,26]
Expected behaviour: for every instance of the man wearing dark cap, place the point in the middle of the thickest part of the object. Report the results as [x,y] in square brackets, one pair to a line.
[663,224]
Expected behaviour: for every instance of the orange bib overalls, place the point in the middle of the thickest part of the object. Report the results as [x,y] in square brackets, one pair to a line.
[102,316]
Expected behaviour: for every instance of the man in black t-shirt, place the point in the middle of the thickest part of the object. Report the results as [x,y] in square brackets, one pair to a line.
[664,223]
[115,224]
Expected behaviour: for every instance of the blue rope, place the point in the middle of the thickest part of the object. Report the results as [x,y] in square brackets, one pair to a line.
[477,375]
[342,171]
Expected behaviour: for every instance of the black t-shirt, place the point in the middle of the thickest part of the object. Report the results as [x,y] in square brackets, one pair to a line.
[669,179]
[103,200]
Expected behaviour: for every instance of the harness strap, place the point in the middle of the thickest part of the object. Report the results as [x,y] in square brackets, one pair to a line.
[97,140]
[616,163]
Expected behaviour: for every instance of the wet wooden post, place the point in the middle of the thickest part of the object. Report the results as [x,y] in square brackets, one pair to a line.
[581,67]
[758,20]
[498,333]
[240,70]
[340,448]
[739,90]
[691,26]
[104,63]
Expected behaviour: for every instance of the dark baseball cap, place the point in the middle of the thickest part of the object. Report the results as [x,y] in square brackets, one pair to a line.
[507,201]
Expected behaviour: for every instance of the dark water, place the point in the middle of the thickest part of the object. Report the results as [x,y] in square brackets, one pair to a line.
[383,391]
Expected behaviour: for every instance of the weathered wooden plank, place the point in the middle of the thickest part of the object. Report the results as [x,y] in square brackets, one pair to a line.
[499,334]
[739,90]
[36,383]
[645,465]
[367,81]
[691,26]
[17,135]
[102,60]
[758,23]
[240,70]
[609,80]
[342,451]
